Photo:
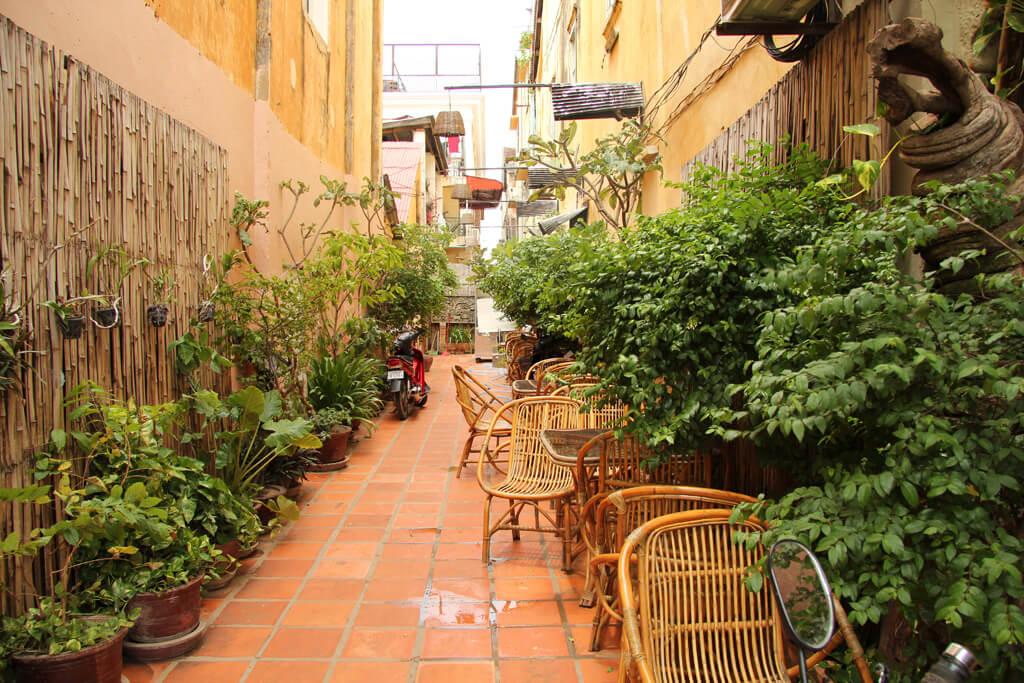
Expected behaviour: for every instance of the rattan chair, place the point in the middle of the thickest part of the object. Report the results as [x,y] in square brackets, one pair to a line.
[622,464]
[516,350]
[687,615]
[598,414]
[521,388]
[606,521]
[478,406]
[532,477]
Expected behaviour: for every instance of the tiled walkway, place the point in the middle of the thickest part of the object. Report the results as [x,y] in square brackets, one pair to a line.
[381,580]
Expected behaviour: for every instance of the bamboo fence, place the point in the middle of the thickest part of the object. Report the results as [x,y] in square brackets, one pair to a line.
[830,89]
[87,164]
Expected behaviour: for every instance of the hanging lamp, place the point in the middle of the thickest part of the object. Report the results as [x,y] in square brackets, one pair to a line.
[448,124]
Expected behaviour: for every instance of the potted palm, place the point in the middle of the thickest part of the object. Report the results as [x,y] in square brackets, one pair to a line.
[344,390]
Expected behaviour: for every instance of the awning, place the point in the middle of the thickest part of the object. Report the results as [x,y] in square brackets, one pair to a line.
[486,192]
[538,207]
[596,100]
[549,225]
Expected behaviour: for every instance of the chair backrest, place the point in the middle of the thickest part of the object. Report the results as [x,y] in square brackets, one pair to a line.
[627,462]
[527,456]
[548,381]
[607,416]
[622,511]
[516,350]
[537,370]
[687,614]
[476,402]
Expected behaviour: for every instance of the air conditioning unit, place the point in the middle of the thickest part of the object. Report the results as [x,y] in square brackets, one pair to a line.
[778,17]
[766,10]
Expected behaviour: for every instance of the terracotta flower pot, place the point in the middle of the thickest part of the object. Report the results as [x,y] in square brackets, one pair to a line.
[166,615]
[335,448]
[101,662]
[428,361]
[268,493]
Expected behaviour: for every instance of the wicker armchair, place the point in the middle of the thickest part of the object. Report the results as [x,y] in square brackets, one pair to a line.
[532,477]
[516,350]
[687,615]
[622,464]
[521,388]
[478,406]
[607,520]
[597,416]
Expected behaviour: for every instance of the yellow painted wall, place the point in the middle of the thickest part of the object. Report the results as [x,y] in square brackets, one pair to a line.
[308,88]
[655,38]
[222,31]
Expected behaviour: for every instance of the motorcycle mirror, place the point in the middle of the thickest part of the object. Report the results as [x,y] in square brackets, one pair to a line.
[804,596]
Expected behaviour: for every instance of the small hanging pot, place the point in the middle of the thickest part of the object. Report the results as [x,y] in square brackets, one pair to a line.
[157,314]
[207,309]
[108,317]
[71,326]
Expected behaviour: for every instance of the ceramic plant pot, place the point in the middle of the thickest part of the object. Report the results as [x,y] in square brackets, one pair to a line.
[101,662]
[335,448]
[166,615]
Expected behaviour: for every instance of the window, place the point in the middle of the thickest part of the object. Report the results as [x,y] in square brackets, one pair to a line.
[319,14]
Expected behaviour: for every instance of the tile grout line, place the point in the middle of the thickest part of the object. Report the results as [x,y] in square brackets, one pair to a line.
[417,650]
[276,627]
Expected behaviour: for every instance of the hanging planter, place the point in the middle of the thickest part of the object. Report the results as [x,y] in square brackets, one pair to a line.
[108,317]
[157,314]
[207,311]
[71,326]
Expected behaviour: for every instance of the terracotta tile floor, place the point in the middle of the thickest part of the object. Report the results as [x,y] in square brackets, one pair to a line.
[381,580]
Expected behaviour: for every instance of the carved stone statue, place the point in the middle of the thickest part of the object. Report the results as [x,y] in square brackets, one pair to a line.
[976,133]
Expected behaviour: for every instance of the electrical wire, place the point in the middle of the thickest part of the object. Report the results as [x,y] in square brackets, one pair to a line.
[799,47]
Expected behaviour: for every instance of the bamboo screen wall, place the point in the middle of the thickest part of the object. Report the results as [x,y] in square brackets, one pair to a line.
[830,89]
[88,164]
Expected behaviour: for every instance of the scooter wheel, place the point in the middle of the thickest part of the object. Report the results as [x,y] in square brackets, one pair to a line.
[403,403]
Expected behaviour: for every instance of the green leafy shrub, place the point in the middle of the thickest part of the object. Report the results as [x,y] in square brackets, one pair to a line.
[348,382]
[912,400]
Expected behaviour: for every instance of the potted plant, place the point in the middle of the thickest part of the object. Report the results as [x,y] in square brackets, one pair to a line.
[14,337]
[153,560]
[54,640]
[114,266]
[163,285]
[70,319]
[332,427]
[347,382]
[460,339]
[254,436]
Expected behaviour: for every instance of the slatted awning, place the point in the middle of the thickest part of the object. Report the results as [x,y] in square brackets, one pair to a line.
[549,225]
[572,101]
[538,207]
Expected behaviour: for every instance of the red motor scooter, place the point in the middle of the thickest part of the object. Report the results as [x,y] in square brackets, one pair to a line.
[406,375]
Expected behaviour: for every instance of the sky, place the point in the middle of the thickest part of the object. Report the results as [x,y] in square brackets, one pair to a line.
[496,25]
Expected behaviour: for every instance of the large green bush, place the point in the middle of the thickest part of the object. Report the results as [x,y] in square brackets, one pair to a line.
[913,402]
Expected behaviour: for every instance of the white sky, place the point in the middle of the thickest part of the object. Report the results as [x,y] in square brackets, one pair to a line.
[496,25]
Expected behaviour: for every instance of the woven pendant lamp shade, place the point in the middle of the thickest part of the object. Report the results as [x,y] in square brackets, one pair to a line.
[461,191]
[448,124]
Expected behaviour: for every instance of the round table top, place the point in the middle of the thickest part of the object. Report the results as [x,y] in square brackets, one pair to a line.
[563,445]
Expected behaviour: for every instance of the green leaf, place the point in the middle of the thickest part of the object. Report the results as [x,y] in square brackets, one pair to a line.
[868,129]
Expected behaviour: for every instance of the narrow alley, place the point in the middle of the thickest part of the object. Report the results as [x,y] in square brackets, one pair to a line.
[381,578]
